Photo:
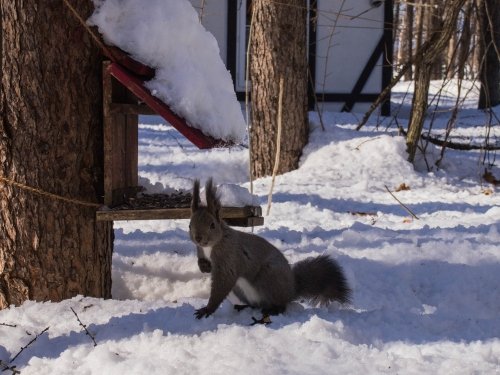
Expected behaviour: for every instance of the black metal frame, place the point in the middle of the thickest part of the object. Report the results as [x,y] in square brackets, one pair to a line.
[384,48]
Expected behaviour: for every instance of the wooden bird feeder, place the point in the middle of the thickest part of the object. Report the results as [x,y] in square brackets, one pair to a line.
[125,97]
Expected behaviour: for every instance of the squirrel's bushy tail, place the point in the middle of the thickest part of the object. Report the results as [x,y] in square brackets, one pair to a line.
[321,281]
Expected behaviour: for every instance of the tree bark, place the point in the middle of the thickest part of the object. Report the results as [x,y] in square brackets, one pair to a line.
[433,20]
[489,75]
[437,43]
[407,40]
[465,41]
[478,41]
[50,139]
[278,49]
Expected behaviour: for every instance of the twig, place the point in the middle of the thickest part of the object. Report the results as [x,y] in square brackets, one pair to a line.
[84,327]
[8,325]
[202,10]
[89,30]
[6,367]
[28,344]
[319,110]
[402,205]
[278,147]
[328,48]
[362,143]
[384,93]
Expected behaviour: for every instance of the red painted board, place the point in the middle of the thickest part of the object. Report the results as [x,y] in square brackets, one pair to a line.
[136,86]
[119,56]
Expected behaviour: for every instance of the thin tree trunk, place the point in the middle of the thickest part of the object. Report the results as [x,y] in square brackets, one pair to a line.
[419,29]
[437,42]
[451,56]
[465,41]
[50,139]
[278,49]
[410,16]
[406,38]
[490,68]
[478,40]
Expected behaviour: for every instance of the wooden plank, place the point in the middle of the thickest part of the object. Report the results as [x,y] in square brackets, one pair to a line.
[120,143]
[174,213]
[131,109]
[253,221]
[107,134]
[135,85]
[131,167]
[119,150]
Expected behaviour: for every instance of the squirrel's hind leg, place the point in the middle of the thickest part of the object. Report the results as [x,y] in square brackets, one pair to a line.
[241,307]
[266,319]
[266,315]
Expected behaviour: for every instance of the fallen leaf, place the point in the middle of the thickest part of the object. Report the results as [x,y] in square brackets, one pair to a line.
[402,187]
[487,191]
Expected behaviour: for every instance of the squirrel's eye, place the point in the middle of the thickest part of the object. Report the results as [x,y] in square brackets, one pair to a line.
[212,226]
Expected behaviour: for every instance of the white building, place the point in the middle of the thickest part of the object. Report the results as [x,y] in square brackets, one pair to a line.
[350,47]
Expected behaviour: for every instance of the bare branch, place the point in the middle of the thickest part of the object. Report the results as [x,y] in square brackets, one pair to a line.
[84,327]
[28,344]
[402,205]
[6,367]
[8,325]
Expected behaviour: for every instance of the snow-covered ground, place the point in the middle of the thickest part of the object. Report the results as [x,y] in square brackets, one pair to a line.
[426,291]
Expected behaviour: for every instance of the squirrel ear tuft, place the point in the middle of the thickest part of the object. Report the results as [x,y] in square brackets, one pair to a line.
[195,200]
[213,202]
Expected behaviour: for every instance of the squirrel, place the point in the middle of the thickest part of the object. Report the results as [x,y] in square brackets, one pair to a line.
[254,270]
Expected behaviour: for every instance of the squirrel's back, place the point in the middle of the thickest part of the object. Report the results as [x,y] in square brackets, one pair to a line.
[261,265]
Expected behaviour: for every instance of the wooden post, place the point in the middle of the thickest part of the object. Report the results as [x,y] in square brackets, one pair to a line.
[120,143]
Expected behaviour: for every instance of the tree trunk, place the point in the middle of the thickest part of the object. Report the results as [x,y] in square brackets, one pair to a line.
[433,23]
[437,43]
[50,139]
[465,41]
[459,48]
[419,29]
[406,40]
[451,56]
[478,41]
[278,49]
[410,12]
[490,68]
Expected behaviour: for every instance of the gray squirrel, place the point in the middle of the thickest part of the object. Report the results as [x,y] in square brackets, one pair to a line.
[252,269]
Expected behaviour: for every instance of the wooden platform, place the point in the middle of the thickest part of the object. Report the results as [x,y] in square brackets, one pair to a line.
[235,216]
[124,98]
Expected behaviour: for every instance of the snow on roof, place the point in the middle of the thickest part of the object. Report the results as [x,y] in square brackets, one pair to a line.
[190,75]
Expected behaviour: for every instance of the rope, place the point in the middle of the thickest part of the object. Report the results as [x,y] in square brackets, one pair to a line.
[42,192]
[47,194]
[99,42]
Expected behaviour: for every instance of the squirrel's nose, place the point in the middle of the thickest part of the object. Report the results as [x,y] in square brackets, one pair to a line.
[197,238]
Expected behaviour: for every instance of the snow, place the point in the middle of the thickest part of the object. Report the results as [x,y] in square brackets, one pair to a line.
[190,75]
[426,291]
[230,195]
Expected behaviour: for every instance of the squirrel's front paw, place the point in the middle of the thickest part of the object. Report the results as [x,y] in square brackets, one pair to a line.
[203,312]
[204,265]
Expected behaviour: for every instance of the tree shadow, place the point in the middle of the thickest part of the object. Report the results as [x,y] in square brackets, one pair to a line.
[353,206]
[420,302]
